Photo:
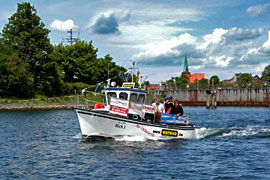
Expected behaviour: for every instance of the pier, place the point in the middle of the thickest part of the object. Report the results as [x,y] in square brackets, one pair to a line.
[223,97]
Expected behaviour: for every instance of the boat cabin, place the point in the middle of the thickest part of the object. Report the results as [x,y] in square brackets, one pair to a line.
[130,94]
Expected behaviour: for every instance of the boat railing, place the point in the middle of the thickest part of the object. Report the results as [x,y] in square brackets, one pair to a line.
[82,99]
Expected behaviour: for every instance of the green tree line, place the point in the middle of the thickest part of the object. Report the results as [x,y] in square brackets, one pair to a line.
[30,65]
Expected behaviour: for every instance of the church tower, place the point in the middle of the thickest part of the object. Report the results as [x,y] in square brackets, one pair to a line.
[185,70]
[192,78]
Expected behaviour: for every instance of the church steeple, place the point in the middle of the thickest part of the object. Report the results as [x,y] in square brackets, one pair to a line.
[185,65]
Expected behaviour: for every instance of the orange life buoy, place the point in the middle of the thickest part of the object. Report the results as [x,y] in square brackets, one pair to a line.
[98,106]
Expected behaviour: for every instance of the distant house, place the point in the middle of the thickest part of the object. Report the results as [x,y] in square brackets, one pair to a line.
[235,77]
[196,77]
[153,87]
[256,80]
[192,78]
[226,82]
[165,85]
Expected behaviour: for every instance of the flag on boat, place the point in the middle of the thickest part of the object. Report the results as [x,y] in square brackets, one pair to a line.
[122,76]
[138,76]
[126,80]
[99,84]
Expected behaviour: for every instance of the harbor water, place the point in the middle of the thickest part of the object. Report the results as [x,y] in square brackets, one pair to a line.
[231,143]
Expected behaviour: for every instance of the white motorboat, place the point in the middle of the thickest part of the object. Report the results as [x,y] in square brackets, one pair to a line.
[124,113]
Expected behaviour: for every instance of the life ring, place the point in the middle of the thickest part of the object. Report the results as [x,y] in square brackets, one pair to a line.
[98,106]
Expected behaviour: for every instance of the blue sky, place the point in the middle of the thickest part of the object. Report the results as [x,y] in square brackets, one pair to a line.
[219,37]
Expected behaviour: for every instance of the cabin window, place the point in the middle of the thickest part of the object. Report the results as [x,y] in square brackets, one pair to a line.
[133,97]
[123,95]
[109,95]
[141,98]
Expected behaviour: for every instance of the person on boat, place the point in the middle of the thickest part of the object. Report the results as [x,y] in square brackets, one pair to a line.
[165,101]
[158,105]
[168,105]
[177,109]
[158,109]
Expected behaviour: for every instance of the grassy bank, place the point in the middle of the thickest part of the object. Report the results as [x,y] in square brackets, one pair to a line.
[38,101]
[43,102]
[61,102]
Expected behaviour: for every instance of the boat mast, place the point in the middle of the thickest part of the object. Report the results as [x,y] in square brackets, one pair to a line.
[132,68]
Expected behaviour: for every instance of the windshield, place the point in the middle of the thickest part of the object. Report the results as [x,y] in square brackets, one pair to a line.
[133,97]
[123,95]
[141,98]
[109,95]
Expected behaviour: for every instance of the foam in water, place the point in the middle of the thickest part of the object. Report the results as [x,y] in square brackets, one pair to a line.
[77,136]
[130,138]
[248,131]
[205,132]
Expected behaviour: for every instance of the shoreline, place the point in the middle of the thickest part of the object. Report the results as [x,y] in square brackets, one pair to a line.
[58,107]
[34,107]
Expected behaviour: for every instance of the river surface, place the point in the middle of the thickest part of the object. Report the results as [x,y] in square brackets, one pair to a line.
[231,143]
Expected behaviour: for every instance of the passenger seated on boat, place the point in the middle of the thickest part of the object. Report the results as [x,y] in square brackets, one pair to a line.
[177,109]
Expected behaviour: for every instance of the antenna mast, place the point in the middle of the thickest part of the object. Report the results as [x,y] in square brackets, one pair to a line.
[71,39]
[132,68]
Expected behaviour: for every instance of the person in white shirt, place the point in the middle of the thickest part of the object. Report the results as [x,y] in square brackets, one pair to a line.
[158,105]
[158,110]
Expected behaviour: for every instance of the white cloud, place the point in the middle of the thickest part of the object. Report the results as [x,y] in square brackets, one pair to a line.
[258,54]
[139,35]
[266,44]
[166,46]
[258,10]
[59,25]
[222,61]
[178,14]
[214,38]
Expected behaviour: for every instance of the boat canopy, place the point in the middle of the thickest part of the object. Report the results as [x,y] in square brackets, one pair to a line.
[134,95]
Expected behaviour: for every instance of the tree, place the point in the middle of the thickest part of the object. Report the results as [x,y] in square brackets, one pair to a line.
[28,38]
[203,83]
[146,84]
[77,60]
[266,73]
[181,81]
[215,79]
[20,80]
[4,50]
[244,79]
[81,60]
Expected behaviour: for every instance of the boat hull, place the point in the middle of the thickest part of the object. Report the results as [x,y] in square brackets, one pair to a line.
[94,123]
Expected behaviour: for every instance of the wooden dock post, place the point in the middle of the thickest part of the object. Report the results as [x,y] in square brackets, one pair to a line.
[211,102]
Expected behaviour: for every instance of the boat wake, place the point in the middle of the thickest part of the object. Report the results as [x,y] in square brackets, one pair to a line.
[77,136]
[248,131]
[207,132]
[130,138]
[233,132]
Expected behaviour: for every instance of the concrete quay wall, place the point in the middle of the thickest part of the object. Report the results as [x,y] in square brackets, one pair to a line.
[224,97]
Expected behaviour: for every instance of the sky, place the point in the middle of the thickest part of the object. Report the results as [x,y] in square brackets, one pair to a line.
[219,37]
